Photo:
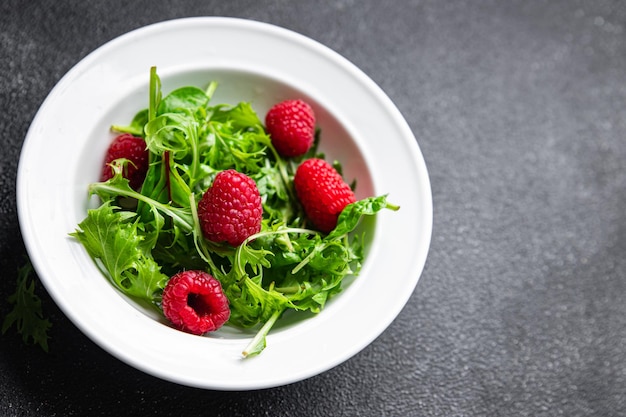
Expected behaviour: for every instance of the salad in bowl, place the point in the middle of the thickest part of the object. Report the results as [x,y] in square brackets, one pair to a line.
[215,217]
[221,217]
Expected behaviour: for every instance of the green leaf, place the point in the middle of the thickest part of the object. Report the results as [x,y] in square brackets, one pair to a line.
[170,132]
[26,314]
[239,117]
[112,237]
[183,99]
[252,304]
[350,216]
[118,186]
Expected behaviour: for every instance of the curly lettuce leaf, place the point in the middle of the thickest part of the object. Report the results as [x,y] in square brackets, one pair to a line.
[26,314]
[116,242]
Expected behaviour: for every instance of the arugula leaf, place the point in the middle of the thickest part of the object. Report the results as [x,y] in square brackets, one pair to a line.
[351,215]
[27,314]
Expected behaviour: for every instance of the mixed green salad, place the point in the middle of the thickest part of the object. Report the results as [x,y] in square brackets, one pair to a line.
[141,238]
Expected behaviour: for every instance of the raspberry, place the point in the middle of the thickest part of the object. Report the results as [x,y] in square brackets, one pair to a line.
[193,301]
[132,148]
[322,193]
[291,126]
[230,210]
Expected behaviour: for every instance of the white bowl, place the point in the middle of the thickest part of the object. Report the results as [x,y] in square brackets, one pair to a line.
[253,62]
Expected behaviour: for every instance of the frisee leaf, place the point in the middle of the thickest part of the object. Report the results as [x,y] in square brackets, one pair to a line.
[113,238]
[26,314]
[269,277]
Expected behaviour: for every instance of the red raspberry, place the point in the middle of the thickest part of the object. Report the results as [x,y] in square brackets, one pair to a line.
[193,301]
[291,125]
[230,210]
[322,193]
[132,148]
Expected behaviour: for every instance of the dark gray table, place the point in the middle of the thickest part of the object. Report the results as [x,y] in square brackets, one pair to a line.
[520,110]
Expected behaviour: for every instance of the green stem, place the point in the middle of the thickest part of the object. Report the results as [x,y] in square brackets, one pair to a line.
[279,232]
[155,92]
[198,238]
[210,90]
[305,261]
[179,217]
[282,169]
[289,290]
[258,343]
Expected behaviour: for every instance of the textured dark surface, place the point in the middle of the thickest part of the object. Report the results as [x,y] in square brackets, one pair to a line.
[519,108]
